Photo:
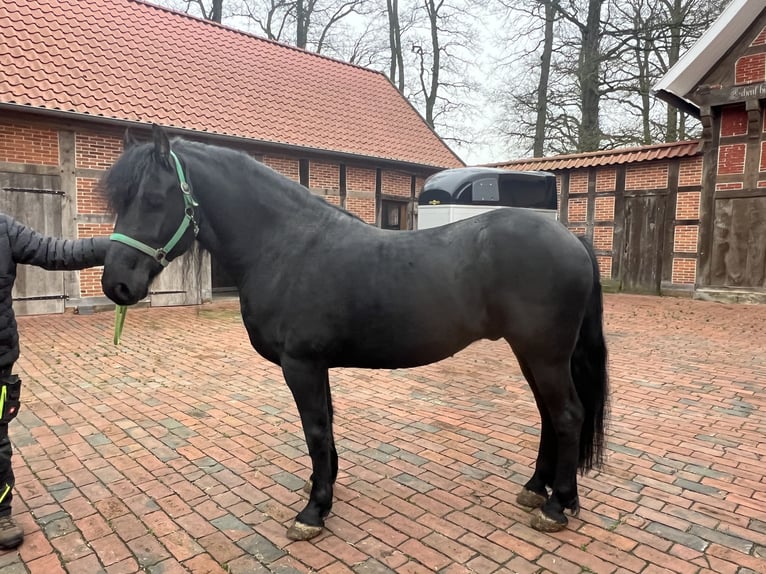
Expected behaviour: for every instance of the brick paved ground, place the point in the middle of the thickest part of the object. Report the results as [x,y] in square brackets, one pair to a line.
[179,452]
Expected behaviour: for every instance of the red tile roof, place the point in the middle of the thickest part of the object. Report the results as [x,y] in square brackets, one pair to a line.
[606,157]
[128,60]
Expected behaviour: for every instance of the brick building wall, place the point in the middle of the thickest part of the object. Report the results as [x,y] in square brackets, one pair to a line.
[396,183]
[287,166]
[23,142]
[595,203]
[324,177]
[36,144]
[360,192]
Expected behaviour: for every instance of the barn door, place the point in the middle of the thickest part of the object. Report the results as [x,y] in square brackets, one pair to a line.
[182,282]
[36,201]
[644,232]
[739,243]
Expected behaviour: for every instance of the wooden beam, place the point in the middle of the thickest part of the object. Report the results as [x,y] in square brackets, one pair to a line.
[707,196]
[618,240]
[10,167]
[674,169]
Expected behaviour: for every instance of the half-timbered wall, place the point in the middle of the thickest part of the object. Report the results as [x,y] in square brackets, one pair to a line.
[733,204]
[643,219]
[49,170]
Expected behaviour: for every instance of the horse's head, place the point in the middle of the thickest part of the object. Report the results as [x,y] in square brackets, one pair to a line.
[148,191]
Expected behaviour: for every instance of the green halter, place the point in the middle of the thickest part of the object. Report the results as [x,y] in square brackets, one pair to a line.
[189,204]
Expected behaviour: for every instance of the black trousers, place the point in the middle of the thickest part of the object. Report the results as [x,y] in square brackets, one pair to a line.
[6,472]
[11,386]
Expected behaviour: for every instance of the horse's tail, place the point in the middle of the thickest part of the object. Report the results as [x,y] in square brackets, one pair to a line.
[589,371]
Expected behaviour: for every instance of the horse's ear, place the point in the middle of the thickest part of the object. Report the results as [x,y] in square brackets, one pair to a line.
[128,141]
[161,144]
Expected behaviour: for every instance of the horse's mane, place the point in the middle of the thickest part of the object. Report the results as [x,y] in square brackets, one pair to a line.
[120,183]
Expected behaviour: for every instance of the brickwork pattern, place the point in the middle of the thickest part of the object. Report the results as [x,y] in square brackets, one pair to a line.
[420,182]
[362,207]
[603,238]
[578,207]
[731,159]
[96,151]
[762,163]
[760,40]
[324,175]
[684,272]
[734,121]
[395,183]
[578,181]
[605,266]
[685,238]
[604,208]
[24,143]
[725,186]
[690,172]
[646,176]
[750,69]
[360,179]
[287,166]
[89,198]
[688,205]
[606,179]
[90,282]
[128,461]
[90,279]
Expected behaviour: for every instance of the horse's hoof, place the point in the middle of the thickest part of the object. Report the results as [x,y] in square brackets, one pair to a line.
[308,486]
[300,531]
[574,508]
[530,499]
[544,523]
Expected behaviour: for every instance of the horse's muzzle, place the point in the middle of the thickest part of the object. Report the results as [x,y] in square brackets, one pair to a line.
[127,275]
[120,293]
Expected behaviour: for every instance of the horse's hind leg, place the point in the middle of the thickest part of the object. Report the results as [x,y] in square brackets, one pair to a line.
[556,395]
[308,384]
[535,493]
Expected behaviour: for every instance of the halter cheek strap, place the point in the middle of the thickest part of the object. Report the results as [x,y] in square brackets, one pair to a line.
[160,254]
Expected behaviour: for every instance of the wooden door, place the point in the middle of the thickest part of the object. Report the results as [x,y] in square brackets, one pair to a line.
[37,202]
[641,267]
[185,280]
[739,243]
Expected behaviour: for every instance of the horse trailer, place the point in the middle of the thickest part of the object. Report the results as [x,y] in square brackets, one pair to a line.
[455,194]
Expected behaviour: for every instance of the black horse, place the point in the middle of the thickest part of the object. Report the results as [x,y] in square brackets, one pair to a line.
[319,288]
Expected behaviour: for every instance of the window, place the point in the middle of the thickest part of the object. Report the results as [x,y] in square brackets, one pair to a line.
[303,172]
[394,215]
[486,190]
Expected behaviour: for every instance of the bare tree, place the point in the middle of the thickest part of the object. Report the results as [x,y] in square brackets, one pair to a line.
[396,68]
[212,10]
[541,111]
[443,45]
[314,25]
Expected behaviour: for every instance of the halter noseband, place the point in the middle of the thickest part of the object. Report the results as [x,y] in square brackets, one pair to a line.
[160,255]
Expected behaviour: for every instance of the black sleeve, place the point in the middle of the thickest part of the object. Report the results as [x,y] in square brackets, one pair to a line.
[32,248]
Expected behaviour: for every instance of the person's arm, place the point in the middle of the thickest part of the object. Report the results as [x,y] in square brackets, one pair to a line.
[33,248]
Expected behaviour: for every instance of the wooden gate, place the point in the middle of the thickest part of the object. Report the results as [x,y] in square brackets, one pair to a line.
[739,243]
[641,266]
[37,201]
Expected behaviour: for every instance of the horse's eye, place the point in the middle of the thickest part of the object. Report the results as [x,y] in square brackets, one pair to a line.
[152,201]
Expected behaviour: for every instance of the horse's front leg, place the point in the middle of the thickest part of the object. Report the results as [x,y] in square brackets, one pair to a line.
[307,382]
[333,452]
